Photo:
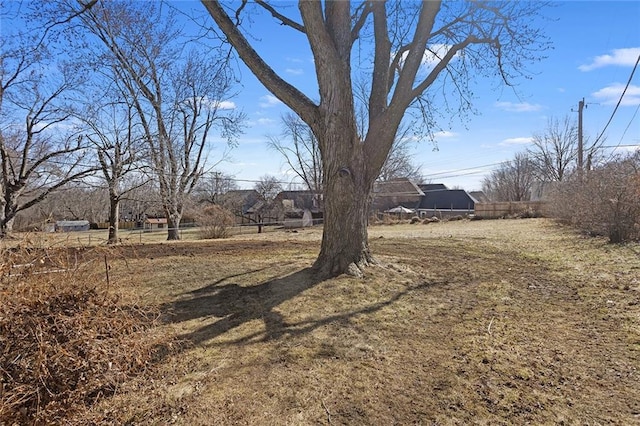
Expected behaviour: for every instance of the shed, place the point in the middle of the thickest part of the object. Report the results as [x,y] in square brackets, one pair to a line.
[155,223]
[72,225]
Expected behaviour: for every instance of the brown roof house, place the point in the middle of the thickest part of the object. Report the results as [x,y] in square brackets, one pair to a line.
[401,192]
[300,208]
[155,223]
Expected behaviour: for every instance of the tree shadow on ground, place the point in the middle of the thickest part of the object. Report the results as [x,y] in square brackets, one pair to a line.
[235,305]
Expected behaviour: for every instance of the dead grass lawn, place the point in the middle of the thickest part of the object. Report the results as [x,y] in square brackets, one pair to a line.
[488,322]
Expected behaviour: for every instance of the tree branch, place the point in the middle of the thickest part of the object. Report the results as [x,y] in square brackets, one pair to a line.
[360,20]
[446,59]
[280,17]
[291,96]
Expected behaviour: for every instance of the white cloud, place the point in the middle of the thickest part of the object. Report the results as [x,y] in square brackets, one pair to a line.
[444,134]
[294,71]
[611,94]
[516,141]
[518,107]
[269,101]
[622,57]
[226,105]
[213,103]
[432,56]
[435,52]
[265,121]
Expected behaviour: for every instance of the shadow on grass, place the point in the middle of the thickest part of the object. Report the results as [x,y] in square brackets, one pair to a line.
[235,305]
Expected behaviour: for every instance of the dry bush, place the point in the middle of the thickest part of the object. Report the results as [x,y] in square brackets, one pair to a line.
[389,219]
[214,221]
[605,201]
[429,220]
[66,340]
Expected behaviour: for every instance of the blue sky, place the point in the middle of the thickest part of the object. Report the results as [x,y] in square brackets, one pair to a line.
[595,45]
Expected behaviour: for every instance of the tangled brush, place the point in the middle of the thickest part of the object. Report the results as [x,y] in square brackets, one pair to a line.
[65,343]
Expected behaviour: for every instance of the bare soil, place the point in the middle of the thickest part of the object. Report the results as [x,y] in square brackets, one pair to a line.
[486,322]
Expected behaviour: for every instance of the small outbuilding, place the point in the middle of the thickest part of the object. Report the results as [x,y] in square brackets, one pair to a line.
[72,225]
[153,223]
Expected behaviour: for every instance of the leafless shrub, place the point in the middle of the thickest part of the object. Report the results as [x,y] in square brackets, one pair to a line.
[604,201]
[215,222]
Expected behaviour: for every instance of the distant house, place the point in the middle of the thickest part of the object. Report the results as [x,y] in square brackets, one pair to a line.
[300,208]
[479,196]
[446,202]
[425,200]
[429,187]
[154,223]
[72,225]
[394,193]
[245,204]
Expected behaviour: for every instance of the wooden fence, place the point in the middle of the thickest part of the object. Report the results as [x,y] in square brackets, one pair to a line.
[511,208]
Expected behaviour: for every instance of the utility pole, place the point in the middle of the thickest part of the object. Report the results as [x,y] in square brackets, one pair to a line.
[580,146]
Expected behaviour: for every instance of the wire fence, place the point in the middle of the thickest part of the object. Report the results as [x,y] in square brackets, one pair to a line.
[189,232]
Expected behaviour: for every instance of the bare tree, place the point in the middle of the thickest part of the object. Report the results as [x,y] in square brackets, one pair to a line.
[114,132]
[268,187]
[512,181]
[555,150]
[39,151]
[299,148]
[78,201]
[213,186]
[413,47]
[399,162]
[179,96]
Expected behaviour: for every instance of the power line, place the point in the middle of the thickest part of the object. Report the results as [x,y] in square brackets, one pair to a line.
[624,133]
[618,104]
[465,169]
[621,146]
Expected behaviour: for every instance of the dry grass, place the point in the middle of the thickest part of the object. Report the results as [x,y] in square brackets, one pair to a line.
[486,322]
[67,339]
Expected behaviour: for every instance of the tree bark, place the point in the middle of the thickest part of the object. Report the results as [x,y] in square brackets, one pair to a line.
[114,218]
[173,225]
[8,215]
[345,245]
[347,197]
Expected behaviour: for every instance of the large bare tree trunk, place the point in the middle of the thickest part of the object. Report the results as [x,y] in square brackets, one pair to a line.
[399,79]
[173,225]
[345,246]
[114,218]
[347,197]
